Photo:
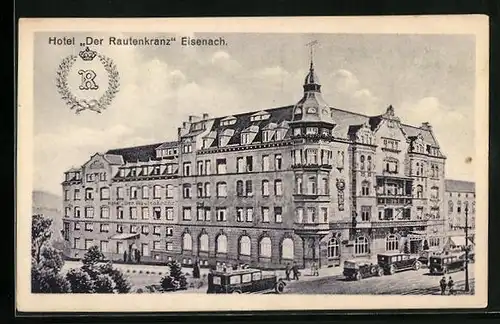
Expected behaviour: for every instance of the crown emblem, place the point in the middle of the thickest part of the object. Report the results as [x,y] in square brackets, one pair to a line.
[87,54]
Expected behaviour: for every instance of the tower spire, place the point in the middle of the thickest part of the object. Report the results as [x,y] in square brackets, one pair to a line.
[311,45]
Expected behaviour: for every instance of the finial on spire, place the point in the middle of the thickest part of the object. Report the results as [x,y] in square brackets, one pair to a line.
[311,46]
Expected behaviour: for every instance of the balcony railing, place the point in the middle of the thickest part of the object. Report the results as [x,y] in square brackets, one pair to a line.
[394,200]
[312,227]
[312,166]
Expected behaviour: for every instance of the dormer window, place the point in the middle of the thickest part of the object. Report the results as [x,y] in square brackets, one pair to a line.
[298,111]
[311,110]
[261,115]
[266,136]
[297,131]
[228,121]
[246,138]
[207,142]
[187,148]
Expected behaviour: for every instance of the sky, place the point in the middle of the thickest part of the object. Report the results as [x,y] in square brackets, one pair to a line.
[426,78]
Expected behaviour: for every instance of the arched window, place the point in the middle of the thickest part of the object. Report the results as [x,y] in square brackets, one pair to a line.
[265,247]
[187,242]
[298,182]
[207,189]
[333,248]
[418,169]
[203,243]
[369,164]
[391,243]
[145,192]
[239,188]
[300,215]
[245,245]
[473,207]
[265,188]
[420,191]
[459,206]
[221,189]
[365,188]
[450,206]
[287,249]
[362,162]
[221,243]
[361,246]
[157,191]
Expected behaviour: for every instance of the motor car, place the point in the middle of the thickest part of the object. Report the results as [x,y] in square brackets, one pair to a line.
[444,264]
[360,269]
[243,281]
[396,262]
[424,256]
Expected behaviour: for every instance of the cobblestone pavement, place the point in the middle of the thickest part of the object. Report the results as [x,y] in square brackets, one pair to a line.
[402,283]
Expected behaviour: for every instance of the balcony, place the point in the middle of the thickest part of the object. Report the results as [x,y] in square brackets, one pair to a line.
[311,197]
[394,200]
[312,228]
[312,166]
[397,223]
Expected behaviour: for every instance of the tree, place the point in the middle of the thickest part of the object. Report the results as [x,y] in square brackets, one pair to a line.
[48,281]
[40,235]
[92,257]
[80,281]
[46,261]
[196,270]
[176,279]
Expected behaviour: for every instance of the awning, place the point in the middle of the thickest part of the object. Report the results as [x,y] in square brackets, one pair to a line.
[459,241]
[124,236]
[417,235]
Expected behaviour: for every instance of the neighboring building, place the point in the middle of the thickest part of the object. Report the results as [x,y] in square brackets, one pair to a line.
[460,195]
[290,184]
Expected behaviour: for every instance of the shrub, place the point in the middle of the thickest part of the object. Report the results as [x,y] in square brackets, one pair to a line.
[139,290]
[168,283]
[48,281]
[121,284]
[52,259]
[80,281]
[104,284]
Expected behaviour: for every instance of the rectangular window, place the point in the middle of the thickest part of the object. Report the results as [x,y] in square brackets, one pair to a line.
[249,215]
[105,212]
[265,188]
[249,163]
[76,243]
[156,245]
[207,213]
[278,162]
[77,194]
[240,165]
[89,194]
[324,214]
[169,193]
[133,229]
[89,227]
[104,193]
[207,189]
[239,214]
[169,211]
[77,212]
[221,189]
[145,213]
[156,192]
[145,192]
[170,169]
[119,193]
[221,166]
[200,212]
[186,213]
[265,163]
[200,170]
[248,188]
[133,213]
[221,214]
[186,190]
[208,167]
[145,229]
[119,248]
[278,214]
[103,176]
[89,212]
[119,212]
[278,189]
[157,213]
[145,249]
[311,215]
[199,190]
[157,230]
[104,228]
[67,211]
[169,231]
[133,192]
[119,228]
[88,243]
[187,169]
[169,246]
[265,214]
[76,226]
[300,215]
[365,213]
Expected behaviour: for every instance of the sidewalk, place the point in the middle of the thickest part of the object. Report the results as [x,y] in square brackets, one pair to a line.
[306,275]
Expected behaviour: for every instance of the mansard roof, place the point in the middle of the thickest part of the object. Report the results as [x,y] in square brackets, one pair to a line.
[142,153]
[459,186]
[167,145]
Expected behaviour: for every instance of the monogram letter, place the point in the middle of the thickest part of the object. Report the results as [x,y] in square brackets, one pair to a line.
[88,82]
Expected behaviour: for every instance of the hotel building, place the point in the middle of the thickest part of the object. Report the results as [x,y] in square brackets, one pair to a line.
[460,195]
[300,183]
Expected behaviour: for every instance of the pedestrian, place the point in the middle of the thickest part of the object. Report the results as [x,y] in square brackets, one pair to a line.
[295,270]
[451,285]
[125,256]
[442,284]
[287,271]
[314,269]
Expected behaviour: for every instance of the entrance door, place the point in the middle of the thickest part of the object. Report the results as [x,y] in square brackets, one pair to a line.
[415,246]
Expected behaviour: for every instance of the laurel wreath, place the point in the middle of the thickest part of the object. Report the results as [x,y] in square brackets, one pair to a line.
[82,104]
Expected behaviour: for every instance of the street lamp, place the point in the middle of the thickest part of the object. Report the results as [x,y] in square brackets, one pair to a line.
[466,228]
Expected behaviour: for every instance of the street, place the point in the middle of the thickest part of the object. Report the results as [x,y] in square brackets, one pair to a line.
[403,283]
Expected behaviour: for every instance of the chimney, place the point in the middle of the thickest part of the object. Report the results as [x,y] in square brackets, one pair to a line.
[179,130]
[193,118]
[185,125]
[426,126]
[205,116]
